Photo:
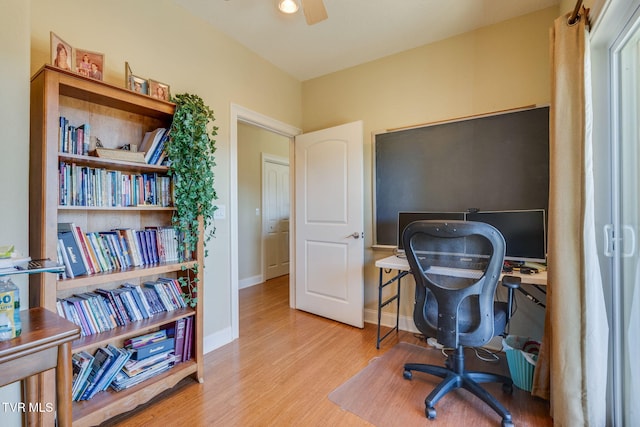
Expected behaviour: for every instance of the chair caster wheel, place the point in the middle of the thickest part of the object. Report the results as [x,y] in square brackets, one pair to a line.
[507,423]
[507,388]
[430,412]
[407,375]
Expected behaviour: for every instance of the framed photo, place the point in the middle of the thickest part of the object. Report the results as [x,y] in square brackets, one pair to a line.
[159,90]
[138,84]
[135,83]
[89,64]
[61,52]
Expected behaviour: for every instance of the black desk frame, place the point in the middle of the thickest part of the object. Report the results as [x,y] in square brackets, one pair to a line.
[382,304]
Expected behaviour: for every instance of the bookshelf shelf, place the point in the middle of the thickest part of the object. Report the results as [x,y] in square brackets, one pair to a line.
[116,116]
[131,330]
[98,162]
[121,275]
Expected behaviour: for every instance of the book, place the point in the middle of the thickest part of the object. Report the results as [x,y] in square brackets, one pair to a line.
[121,357]
[76,232]
[150,141]
[176,331]
[102,359]
[151,349]
[71,254]
[120,313]
[141,299]
[188,335]
[146,339]
[158,150]
[81,363]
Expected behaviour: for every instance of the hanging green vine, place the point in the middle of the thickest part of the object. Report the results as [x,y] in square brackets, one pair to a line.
[190,150]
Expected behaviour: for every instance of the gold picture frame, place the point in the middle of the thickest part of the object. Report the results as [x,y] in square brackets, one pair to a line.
[159,90]
[61,52]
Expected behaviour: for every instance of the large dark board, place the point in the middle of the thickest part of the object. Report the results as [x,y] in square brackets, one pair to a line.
[495,162]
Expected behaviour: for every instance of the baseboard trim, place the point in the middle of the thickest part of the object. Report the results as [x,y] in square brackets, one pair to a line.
[250,281]
[217,340]
[405,323]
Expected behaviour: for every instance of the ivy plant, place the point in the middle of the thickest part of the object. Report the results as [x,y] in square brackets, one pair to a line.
[190,151]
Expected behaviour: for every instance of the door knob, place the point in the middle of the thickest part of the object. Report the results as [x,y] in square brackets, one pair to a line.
[355,235]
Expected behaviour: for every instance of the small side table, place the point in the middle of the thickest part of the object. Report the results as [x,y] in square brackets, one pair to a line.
[45,343]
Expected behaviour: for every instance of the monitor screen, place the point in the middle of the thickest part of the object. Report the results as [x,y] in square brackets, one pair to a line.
[524,232]
[406,218]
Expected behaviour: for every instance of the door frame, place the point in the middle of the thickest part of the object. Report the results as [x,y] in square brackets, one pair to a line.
[239,113]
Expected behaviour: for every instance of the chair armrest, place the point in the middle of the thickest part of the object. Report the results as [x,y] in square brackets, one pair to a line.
[511,282]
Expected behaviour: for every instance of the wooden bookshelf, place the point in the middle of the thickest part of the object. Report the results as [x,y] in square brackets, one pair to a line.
[117,116]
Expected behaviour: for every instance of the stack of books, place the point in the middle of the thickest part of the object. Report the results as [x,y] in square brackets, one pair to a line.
[106,309]
[95,373]
[152,354]
[153,144]
[73,139]
[88,186]
[89,253]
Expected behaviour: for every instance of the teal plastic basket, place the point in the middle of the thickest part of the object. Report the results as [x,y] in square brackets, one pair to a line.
[522,354]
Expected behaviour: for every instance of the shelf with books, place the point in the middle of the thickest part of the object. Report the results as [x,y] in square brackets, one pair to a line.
[115,116]
[110,403]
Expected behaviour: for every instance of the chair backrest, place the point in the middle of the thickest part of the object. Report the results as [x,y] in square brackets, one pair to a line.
[456,266]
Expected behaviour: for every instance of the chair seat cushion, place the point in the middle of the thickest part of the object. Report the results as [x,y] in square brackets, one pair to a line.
[466,316]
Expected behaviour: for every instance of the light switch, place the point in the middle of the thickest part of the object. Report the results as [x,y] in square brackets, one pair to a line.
[220,213]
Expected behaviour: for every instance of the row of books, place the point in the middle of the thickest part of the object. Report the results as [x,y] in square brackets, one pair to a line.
[87,186]
[73,139]
[142,358]
[153,144]
[105,309]
[119,249]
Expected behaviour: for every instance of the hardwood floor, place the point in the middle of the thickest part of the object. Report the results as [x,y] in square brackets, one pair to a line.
[280,372]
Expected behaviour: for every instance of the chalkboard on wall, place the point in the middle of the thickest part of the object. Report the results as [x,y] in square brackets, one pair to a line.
[492,162]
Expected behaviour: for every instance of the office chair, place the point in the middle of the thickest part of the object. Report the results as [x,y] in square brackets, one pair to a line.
[454,301]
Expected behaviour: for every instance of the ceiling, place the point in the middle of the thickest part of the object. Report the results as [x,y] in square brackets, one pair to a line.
[357,31]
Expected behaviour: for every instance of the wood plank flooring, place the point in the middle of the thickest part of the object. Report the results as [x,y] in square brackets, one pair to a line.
[280,372]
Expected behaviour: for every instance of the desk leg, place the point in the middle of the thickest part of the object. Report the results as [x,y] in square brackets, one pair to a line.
[63,385]
[380,286]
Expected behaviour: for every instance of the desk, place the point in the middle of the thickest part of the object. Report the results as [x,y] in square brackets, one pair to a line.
[401,266]
[45,343]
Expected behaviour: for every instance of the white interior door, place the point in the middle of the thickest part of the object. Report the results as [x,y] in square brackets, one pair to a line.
[275,216]
[329,242]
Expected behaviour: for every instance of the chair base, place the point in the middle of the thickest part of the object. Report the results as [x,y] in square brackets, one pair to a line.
[454,377]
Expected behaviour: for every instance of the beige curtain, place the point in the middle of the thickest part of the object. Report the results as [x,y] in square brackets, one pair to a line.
[572,367]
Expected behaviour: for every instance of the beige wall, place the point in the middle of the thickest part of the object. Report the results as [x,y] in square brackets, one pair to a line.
[160,40]
[14,146]
[494,68]
[252,142]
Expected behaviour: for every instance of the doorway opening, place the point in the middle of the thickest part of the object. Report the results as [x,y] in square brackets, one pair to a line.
[241,116]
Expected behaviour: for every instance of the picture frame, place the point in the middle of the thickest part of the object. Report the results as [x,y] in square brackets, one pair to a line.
[135,83]
[138,84]
[89,64]
[61,52]
[159,90]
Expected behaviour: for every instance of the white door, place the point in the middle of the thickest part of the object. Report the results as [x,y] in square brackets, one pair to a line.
[275,216]
[329,223]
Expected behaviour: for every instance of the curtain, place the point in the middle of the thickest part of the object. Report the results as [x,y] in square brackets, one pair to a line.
[572,366]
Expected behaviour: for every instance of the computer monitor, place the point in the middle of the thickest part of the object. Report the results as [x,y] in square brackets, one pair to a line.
[406,218]
[524,232]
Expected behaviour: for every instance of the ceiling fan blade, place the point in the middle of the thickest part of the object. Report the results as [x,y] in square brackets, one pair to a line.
[314,11]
